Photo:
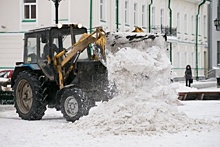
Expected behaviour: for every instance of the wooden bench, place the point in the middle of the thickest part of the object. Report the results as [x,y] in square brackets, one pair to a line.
[199,95]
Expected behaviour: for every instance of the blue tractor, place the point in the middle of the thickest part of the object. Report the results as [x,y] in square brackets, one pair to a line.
[59,70]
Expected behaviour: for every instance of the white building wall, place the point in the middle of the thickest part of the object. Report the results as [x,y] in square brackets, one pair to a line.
[79,12]
[45,13]
[11,50]
[9,15]
[73,11]
[10,43]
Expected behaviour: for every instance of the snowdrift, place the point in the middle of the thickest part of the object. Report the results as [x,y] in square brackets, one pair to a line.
[146,101]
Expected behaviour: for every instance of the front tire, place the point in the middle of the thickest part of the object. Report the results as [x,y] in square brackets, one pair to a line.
[29,97]
[71,104]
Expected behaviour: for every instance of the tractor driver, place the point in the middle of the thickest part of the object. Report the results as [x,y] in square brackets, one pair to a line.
[46,49]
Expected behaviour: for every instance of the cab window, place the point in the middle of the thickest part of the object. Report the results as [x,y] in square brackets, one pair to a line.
[31,49]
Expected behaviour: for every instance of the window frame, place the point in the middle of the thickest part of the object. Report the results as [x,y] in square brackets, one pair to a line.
[193,58]
[178,63]
[218,10]
[218,52]
[192,24]
[30,4]
[204,26]
[153,11]
[186,24]
[127,12]
[102,9]
[135,14]
[199,26]
[162,21]
[178,22]
[143,15]
[186,55]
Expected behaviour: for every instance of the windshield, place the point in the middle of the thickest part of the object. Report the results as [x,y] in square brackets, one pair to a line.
[46,44]
[68,45]
[62,39]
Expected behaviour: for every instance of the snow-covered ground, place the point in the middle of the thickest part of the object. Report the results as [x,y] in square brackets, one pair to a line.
[145,112]
[54,131]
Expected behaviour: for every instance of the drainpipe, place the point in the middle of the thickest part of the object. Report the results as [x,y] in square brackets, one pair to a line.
[90,17]
[149,15]
[170,30]
[89,50]
[117,17]
[197,17]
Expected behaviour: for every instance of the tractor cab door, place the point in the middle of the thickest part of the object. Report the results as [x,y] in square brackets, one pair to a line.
[36,50]
[30,49]
[47,47]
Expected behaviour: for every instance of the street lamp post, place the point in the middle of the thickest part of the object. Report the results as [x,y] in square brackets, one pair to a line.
[217,24]
[56,3]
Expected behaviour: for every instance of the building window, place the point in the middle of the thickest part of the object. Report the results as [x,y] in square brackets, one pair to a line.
[185,55]
[126,13]
[185,24]
[102,10]
[178,22]
[162,17]
[29,9]
[135,14]
[204,26]
[218,15]
[178,59]
[199,31]
[143,16]
[192,24]
[218,52]
[153,17]
[193,59]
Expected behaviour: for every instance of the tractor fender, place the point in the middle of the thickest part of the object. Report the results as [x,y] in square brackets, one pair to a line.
[22,67]
[60,92]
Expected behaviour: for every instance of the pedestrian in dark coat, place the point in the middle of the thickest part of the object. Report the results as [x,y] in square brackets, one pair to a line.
[188,75]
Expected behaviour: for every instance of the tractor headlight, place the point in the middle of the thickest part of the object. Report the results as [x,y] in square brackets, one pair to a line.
[59,25]
[80,25]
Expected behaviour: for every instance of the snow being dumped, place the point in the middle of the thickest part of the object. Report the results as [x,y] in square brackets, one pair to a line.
[146,100]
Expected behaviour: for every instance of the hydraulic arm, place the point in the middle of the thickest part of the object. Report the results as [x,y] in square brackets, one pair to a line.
[97,37]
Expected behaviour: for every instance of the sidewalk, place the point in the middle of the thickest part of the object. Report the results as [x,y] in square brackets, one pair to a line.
[204,84]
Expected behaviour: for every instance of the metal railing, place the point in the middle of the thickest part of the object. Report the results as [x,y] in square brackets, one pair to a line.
[164,30]
[210,73]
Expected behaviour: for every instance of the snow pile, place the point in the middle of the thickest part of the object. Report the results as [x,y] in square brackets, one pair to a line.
[146,103]
[117,41]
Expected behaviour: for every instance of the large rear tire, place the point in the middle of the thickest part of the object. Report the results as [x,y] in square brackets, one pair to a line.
[71,104]
[29,96]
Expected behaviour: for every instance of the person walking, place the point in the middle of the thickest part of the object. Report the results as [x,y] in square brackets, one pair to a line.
[188,75]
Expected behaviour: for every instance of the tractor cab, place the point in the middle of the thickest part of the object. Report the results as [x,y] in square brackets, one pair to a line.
[43,44]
